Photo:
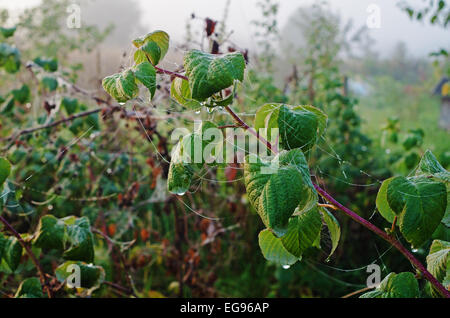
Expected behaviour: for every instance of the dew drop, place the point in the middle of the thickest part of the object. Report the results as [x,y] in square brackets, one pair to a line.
[121,104]
[286,266]
[181,193]
[197,112]
[414,250]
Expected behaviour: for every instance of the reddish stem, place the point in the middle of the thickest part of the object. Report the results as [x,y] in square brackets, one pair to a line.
[250,129]
[30,254]
[444,292]
[163,71]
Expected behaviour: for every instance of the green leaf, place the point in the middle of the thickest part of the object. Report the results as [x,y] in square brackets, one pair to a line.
[420,204]
[273,250]
[301,126]
[8,32]
[91,276]
[121,86]
[266,118]
[151,52]
[8,105]
[210,73]
[22,95]
[146,74]
[5,170]
[402,285]
[48,64]
[180,92]
[79,239]
[413,138]
[276,193]
[10,198]
[12,253]
[160,38]
[411,160]
[382,203]
[50,233]
[302,232]
[140,56]
[430,165]
[3,241]
[70,105]
[50,83]
[333,227]
[438,259]
[30,288]
[298,128]
[180,173]
[189,155]
[9,58]
[446,281]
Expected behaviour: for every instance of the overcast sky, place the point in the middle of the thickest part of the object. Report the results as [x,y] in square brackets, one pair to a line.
[170,15]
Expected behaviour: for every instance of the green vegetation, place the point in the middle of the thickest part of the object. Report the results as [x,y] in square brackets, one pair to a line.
[99,196]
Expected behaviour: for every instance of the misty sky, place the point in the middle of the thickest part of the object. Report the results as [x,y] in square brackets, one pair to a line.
[170,15]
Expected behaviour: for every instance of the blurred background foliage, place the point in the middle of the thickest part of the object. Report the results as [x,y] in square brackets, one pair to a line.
[111,166]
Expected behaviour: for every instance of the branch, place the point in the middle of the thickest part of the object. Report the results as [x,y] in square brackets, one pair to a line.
[414,261]
[356,292]
[250,130]
[27,131]
[30,254]
[163,71]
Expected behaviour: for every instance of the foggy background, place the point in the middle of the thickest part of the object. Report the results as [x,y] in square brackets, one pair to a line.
[135,17]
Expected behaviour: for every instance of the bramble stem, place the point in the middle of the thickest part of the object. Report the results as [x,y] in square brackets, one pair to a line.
[30,254]
[390,239]
[250,129]
[163,71]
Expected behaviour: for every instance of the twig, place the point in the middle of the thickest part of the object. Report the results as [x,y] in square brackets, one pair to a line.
[122,258]
[119,287]
[30,254]
[327,206]
[414,261]
[163,71]
[250,130]
[393,225]
[356,292]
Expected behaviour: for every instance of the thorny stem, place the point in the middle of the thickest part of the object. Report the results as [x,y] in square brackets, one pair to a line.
[30,254]
[250,129]
[390,239]
[163,71]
